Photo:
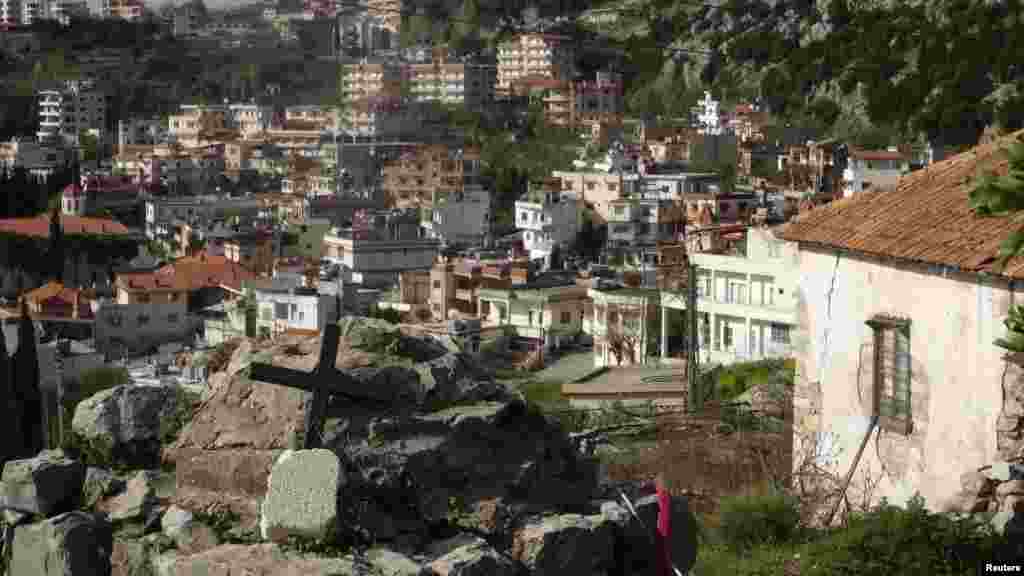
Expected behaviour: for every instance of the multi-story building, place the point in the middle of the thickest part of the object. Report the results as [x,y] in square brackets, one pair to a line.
[369,78]
[280,310]
[174,167]
[873,169]
[97,194]
[708,116]
[140,132]
[186,20]
[548,217]
[549,309]
[40,160]
[427,172]
[568,102]
[162,213]
[455,283]
[449,81]
[66,112]
[640,221]
[375,257]
[197,123]
[388,11]
[130,10]
[10,12]
[535,55]
[460,218]
[323,117]
[253,249]
[251,120]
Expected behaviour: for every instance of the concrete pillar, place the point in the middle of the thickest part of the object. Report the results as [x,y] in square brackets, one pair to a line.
[747,335]
[664,332]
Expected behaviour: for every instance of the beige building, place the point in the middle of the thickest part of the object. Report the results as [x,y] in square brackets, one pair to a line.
[900,307]
[550,308]
[196,124]
[419,177]
[451,82]
[455,284]
[535,55]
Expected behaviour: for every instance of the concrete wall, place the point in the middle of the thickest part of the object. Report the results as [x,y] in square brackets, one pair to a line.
[141,326]
[956,372]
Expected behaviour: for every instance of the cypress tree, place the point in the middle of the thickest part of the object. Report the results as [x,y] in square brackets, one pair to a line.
[26,380]
[55,252]
[9,408]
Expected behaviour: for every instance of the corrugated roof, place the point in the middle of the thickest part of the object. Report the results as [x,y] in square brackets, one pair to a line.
[926,218]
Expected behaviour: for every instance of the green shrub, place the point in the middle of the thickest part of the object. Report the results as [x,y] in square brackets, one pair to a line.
[758,518]
[912,540]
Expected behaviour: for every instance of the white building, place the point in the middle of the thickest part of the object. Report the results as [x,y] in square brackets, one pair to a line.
[251,120]
[553,219]
[66,112]
[901,303]
[709,116]
[302,309]
[747,301]
[461,218]
[873,169]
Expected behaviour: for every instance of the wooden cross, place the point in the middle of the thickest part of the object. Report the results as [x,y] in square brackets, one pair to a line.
[325,380]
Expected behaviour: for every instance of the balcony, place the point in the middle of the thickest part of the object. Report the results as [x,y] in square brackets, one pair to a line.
[465,295]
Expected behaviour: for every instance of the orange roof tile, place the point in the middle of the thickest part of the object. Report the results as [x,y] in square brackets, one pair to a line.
[39,226]
[189,274]
[51,290]
[876,154]
[925,218]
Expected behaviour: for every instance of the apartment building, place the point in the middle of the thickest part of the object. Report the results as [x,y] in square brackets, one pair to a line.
[196,123]
[40,160]
[535,55]
[640,221]
[141,132]
[428,172]
[370,78]
[389,12]
[65,112]
[568,102]
[548,217]
[253,249]
[179,169]
[324,117]
[461,218]
[455,283]
[160,214]
[10,12]
[549,309]
[376,259]
[449,81]
[251,120]
[873,169]
[747,299]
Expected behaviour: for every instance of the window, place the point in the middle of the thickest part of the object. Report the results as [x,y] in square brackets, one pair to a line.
[530,321]
[566,318]
[174,297]
[590,185]
[891,374]
[780,334]
[142,319]
[437,284]
[114,320]
[143,298]
[727,336]
[172,318]
[280,311]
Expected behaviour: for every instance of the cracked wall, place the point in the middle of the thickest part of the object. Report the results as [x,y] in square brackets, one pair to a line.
[956,372]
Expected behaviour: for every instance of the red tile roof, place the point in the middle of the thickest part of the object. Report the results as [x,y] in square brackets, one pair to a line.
[189,274]
[39,226]
[54,290]
[876,155]
[926,218]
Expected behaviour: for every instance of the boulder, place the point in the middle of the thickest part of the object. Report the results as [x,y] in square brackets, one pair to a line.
[469,556]
[566,544]
[634,547]
[127,423]
[390,563]
[47,485]
[257,560]
[302,496]
[424,469]
[71,544]
[131,557]
[176,521]
[138,500]
[100,484]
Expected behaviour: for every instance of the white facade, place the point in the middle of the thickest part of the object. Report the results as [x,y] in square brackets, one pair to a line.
[555,221]
[251,120]
[708,116]
[748,303]
[872,173]
[64,113]
[958,377]
[464,218]
[137,327]
[278,311]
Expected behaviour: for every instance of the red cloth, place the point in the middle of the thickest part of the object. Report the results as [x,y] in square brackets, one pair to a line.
[663,560]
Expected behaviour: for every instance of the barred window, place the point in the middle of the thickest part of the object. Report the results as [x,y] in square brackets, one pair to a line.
[891,374]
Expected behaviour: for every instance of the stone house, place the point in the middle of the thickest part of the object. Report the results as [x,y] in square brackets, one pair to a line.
[899,306]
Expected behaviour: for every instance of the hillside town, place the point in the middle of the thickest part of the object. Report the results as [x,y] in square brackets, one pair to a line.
[464,263]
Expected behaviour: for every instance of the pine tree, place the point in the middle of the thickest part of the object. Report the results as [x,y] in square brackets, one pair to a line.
[55,253]
[9,405]
[26,380]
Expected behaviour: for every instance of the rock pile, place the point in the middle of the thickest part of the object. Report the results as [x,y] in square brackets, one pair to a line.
[458,477]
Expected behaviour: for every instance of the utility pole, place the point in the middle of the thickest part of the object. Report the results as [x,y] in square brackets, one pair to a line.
[695,398]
